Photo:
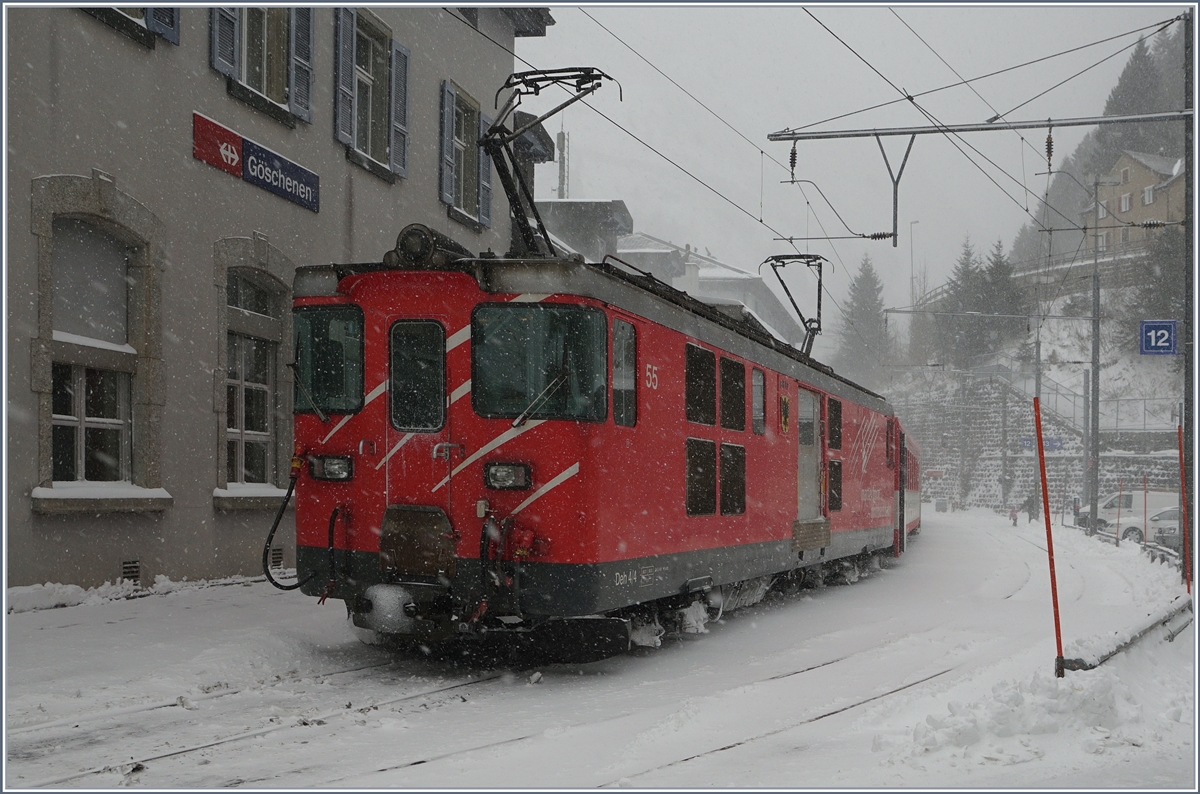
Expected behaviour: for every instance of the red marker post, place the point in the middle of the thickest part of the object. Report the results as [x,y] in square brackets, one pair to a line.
[1185,536]
[1059,668]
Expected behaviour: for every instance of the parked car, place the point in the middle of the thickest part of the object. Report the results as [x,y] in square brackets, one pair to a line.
[1163,527]
[1128,504]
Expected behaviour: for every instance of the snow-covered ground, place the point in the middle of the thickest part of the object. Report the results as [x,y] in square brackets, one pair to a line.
[936,671]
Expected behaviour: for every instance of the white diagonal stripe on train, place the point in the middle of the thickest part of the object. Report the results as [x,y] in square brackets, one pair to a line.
[457,338]
[503,438]
[567,474]
[460,392]
[393,450]
[463,334]
[378,390]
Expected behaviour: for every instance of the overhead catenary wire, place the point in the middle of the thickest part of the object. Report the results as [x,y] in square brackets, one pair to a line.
[950,135]
[983,76]
[808,204]
[713,113]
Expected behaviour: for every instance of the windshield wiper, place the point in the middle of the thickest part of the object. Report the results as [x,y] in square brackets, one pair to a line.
[300,382]
[540,400]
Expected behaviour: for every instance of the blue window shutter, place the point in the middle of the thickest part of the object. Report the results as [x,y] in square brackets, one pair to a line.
[301,77]
[345,24]
[398,150]
[225,34]
[447,186]
[485,176]
[164,22]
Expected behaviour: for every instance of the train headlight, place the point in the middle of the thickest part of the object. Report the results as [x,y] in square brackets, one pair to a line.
[331,467]
[507,476]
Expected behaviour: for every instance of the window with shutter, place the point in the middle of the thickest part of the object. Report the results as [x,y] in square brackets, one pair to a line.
[371,93]
[266,54]
[466,183]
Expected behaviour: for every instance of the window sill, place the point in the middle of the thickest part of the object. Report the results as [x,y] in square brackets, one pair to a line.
[88,497]
[455,214]
[249,497]
[378,169]
[260,102]
[123,24]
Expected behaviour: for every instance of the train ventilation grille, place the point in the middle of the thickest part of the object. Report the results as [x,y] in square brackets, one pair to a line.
[131,570]
[276,556]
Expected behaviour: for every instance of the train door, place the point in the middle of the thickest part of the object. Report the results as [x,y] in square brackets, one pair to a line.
[808,462]
[419,454]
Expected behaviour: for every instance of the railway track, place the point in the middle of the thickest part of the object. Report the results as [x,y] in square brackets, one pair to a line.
[297,720]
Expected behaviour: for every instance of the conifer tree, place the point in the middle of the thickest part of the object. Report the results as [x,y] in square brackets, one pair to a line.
[864,344]
[961,338]
[1001,296]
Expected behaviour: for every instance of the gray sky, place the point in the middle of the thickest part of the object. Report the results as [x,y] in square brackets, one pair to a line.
[764,69]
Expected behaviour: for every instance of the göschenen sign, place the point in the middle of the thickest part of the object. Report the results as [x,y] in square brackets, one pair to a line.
[225,149]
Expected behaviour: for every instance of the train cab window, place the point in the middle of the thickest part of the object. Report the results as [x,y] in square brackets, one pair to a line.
[758,400]
[624,373]
[417,387]
[733,480]
[835,485]
[733,395]
[701,477]
[544,361]
[833,411]
[700,385]
[329,359]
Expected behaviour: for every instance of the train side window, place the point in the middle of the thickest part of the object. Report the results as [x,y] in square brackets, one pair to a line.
[624,373]
[418,375]
[733,395]
[834,415]
[806,418]
[835,485]
[733,480]
[758,400]
[700,385]
[701,477]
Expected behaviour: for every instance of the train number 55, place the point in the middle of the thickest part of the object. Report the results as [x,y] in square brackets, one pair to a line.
[651,376]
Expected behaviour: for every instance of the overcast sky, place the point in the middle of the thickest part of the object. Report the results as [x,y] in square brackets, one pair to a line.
[765,69]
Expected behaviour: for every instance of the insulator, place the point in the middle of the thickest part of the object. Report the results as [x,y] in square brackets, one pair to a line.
[879,236]
[793,159]
[1152,224]
[1049,147]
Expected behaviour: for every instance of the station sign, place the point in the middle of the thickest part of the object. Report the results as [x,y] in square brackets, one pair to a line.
[1050,443]
[251,162]
[1157,337]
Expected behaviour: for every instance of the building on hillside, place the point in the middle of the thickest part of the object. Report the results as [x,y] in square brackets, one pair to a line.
[168,169]
[1148,188]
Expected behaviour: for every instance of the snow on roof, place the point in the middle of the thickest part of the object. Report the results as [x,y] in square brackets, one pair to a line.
[1167,166]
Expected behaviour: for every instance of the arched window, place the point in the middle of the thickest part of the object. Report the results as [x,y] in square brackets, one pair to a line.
[96,362]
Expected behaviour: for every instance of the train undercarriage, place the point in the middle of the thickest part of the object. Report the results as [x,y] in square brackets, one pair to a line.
[421,618]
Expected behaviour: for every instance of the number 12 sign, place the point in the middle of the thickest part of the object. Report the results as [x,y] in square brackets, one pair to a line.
[1158,337]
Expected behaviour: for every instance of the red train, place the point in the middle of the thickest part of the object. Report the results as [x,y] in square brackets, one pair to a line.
[557,449]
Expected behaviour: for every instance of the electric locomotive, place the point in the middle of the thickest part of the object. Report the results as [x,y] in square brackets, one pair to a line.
[546,445]
[571,452]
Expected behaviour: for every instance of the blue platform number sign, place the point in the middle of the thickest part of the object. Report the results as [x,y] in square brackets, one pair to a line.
[1158,337]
